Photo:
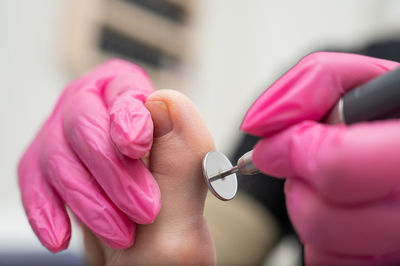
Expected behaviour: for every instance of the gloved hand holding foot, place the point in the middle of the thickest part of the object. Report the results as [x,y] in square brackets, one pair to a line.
[179,235]
[343,182]
[88,156]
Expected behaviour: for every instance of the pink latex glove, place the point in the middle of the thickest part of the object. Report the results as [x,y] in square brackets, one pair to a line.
[87,156]
[343,182]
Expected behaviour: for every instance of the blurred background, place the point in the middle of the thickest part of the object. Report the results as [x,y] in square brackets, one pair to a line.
[222,54]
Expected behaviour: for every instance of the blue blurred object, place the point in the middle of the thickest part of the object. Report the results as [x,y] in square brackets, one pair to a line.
[41,259]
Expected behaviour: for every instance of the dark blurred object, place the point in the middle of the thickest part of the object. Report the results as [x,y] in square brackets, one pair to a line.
[40,259]
[168,9]
[384,49]
[112,41]
[389,49]
[269,191]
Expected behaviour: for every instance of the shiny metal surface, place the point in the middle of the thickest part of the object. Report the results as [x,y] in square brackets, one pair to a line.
[336,115]
[219,175]
[245,164]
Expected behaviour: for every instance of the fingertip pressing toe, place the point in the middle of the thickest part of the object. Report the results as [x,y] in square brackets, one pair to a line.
[132,133]
[131,126]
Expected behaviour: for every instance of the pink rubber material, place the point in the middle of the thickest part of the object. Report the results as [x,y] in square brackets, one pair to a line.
[87,157]
[343,182]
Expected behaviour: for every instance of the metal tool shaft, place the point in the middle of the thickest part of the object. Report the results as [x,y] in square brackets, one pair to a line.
[233,170]
[245,166]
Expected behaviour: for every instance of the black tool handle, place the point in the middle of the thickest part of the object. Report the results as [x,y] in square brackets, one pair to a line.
[375,100]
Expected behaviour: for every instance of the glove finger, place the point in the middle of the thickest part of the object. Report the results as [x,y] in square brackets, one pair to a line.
[316,257]
[351,164]
[310,89]
[43,207]
[370,229]
[124,88]
[128,183]
[82,194]
[131,125]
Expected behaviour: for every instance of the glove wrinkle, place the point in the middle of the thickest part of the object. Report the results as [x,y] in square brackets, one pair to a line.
[76,160]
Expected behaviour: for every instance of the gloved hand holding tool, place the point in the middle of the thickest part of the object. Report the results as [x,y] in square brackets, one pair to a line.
[343,182]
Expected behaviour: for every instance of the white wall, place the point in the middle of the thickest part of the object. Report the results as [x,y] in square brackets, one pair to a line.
[30,80]
[242,47]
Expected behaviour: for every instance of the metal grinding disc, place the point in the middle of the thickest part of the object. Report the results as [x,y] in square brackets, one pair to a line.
[213,164]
